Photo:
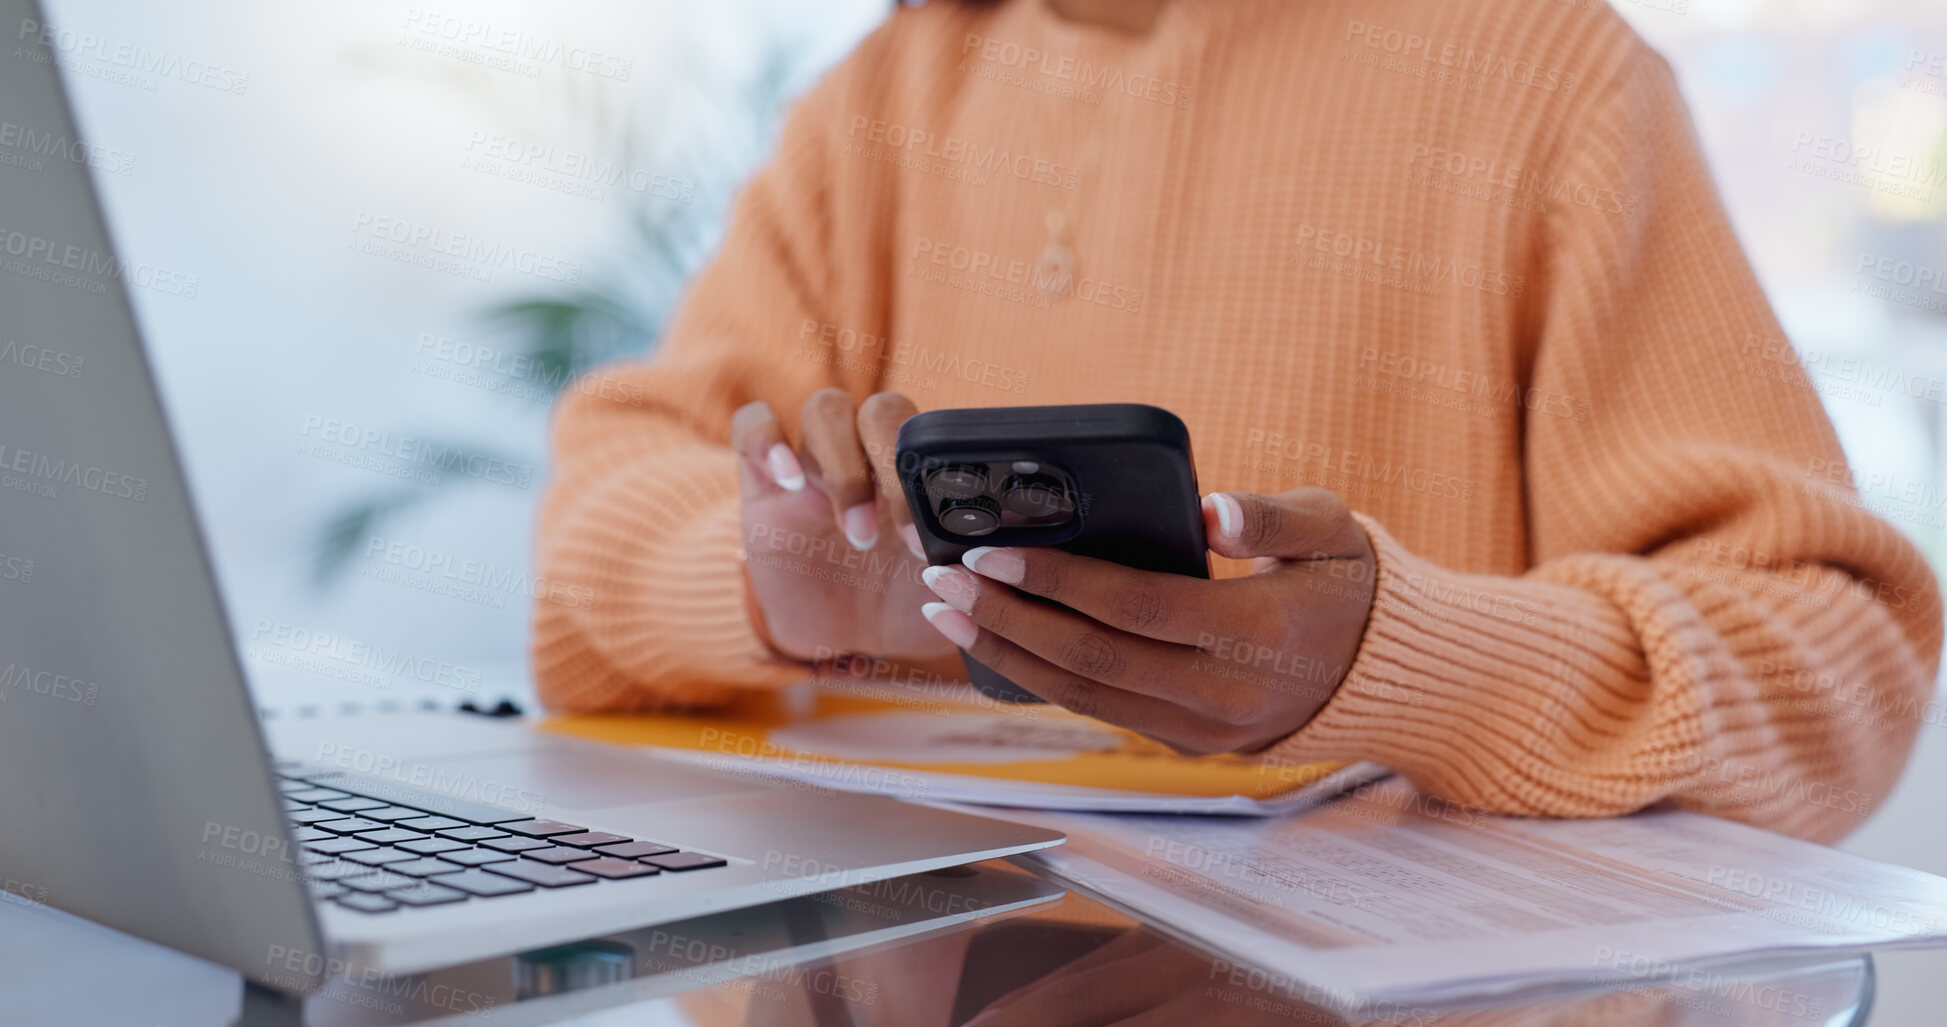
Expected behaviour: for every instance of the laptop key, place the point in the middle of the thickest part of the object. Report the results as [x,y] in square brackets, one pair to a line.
[634,850]
[335,870]
[540,828]
[310,834]
[380,857]
[316,794]
[348,825]
[471,834]
[590,839]
[476,857]
[327,889]
[515,844]
[615,869]
[433,846]
[477,882]
[337,846]
[425,823]
[426,893]
[392,814]
[351,804]
[310,815]
[425,867]
[311,859]
[539,873]
[366,903]
[377,881]
[684,861]
[558,855]
[392,836]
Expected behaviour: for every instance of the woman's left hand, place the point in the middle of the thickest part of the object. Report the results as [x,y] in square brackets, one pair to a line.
[1201,666]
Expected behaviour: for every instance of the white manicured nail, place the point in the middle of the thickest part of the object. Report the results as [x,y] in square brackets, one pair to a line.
[784,468]
[1230,515]
[956,626]
[862,526]
[952,584]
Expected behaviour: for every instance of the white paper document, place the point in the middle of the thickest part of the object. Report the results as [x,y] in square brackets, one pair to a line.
[1385,901]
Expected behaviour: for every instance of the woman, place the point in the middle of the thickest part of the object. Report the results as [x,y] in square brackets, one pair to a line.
[1508,491]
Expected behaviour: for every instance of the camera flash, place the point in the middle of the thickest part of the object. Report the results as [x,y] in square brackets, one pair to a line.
[1026,467]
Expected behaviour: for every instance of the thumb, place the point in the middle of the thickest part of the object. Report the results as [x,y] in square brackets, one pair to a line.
[1302,524]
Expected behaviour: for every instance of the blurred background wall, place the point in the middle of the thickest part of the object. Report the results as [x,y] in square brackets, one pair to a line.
[392,233]
[384,235]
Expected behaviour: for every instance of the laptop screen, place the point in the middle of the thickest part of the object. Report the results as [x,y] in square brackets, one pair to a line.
[134,786]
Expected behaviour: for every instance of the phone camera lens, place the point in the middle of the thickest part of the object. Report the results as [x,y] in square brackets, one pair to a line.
[957,481]
[974,515]
[1036,495]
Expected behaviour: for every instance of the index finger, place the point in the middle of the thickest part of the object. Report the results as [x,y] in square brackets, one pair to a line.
[764,460]
[1154,604]
[879,419]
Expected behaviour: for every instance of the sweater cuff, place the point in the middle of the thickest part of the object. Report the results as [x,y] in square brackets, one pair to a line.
[1428,692]
[659,617]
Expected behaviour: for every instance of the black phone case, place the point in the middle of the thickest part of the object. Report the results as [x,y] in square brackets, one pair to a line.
[1135,483]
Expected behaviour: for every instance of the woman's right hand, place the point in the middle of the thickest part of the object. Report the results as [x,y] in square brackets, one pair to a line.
[830,548]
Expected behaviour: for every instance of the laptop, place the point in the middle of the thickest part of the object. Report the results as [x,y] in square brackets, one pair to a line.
[137,785]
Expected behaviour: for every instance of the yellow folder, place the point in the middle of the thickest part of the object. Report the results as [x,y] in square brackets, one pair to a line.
[941,734]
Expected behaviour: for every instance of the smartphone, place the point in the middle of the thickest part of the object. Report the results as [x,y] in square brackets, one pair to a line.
[1112,481]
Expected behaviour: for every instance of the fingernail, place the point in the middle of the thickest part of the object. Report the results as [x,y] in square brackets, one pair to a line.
[1230,515]
[862,526]
[956,626]
[955,586]
[784,468]
[1004,565]
[911,535]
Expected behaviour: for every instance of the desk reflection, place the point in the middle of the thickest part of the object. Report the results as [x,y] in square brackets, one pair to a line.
[1078,963]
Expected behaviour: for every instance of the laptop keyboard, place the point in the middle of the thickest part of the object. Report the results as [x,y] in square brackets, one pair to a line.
[376,846]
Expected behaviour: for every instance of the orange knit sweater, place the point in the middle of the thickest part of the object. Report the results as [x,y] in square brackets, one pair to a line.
[1460,262]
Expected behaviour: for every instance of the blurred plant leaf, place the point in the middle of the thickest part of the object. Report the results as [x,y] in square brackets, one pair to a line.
[347,528]
[566,335]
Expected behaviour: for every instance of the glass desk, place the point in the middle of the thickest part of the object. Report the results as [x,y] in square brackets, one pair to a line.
[996,943]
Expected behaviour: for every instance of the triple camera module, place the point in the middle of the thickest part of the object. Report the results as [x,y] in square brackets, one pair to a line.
[978,498]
